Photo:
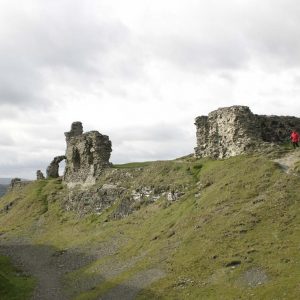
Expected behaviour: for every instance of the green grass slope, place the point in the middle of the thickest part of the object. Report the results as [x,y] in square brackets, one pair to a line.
[13,284]
[234,234]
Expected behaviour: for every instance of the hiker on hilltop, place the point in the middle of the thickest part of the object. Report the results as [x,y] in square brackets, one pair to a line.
[295,138]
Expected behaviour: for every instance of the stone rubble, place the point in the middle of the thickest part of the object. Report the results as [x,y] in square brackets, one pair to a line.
[174,195]
[94,199]
[98,199]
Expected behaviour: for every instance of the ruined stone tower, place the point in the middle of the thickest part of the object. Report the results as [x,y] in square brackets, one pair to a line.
[234,130]
[87,154]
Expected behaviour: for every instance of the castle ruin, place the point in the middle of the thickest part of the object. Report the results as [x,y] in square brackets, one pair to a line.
[234,130]
[87,154]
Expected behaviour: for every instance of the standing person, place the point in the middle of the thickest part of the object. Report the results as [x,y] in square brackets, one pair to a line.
[295,138]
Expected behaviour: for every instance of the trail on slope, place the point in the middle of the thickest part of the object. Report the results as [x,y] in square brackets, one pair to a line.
[47,264]
[130,288]
[288,161]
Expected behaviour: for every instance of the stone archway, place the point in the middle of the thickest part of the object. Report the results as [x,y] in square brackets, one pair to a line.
[53,168]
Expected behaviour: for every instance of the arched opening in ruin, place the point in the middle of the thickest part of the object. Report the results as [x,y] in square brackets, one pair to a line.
[53,168]
[61,168]
[76,160]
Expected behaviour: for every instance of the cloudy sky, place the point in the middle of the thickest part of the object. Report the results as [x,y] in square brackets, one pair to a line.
[139,71]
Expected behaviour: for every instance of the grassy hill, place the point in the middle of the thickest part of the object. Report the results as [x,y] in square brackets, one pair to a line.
[13,283]
[233,233]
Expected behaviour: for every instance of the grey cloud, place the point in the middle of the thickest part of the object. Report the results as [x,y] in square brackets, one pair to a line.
[6,140]
[257,32]
[27,171]
[152,150]
[161,132]
[228,77]
[17,158]
[271,29]
[160,141]
[51,44]
[19,80]
[199,55]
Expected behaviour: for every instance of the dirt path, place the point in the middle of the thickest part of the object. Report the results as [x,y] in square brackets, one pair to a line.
[129,289]
[47,264]
[288,161]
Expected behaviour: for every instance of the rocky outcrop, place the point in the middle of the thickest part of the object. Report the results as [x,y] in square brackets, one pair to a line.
[87,154]
[15,181]
[17,184]
[234,130]
[119,192]
[52,170]
[94,199]
[39,175]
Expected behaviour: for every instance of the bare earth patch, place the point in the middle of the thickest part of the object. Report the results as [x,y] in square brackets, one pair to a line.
[253,277]
[47,264]
[287,162]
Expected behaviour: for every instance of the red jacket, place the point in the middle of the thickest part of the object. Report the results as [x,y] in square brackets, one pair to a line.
[295,137]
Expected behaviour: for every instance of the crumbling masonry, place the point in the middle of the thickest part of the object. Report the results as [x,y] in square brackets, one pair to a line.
[234,130]
[52,170]
[87,154]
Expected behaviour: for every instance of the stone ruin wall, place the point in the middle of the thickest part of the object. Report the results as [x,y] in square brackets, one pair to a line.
[277,129]
[87,154]
[53,169]
[235,130]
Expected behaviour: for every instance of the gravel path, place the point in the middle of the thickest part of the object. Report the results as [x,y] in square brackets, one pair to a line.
[129,289]
[47,264]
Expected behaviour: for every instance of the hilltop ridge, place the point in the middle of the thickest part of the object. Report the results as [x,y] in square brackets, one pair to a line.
[232,230]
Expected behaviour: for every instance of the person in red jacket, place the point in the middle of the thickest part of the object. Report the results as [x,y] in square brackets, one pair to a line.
[295,138]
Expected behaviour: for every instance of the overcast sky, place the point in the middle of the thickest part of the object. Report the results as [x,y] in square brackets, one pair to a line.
[139,71]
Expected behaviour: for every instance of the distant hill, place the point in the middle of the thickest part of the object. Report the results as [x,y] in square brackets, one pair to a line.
[3,188]
[5,181]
